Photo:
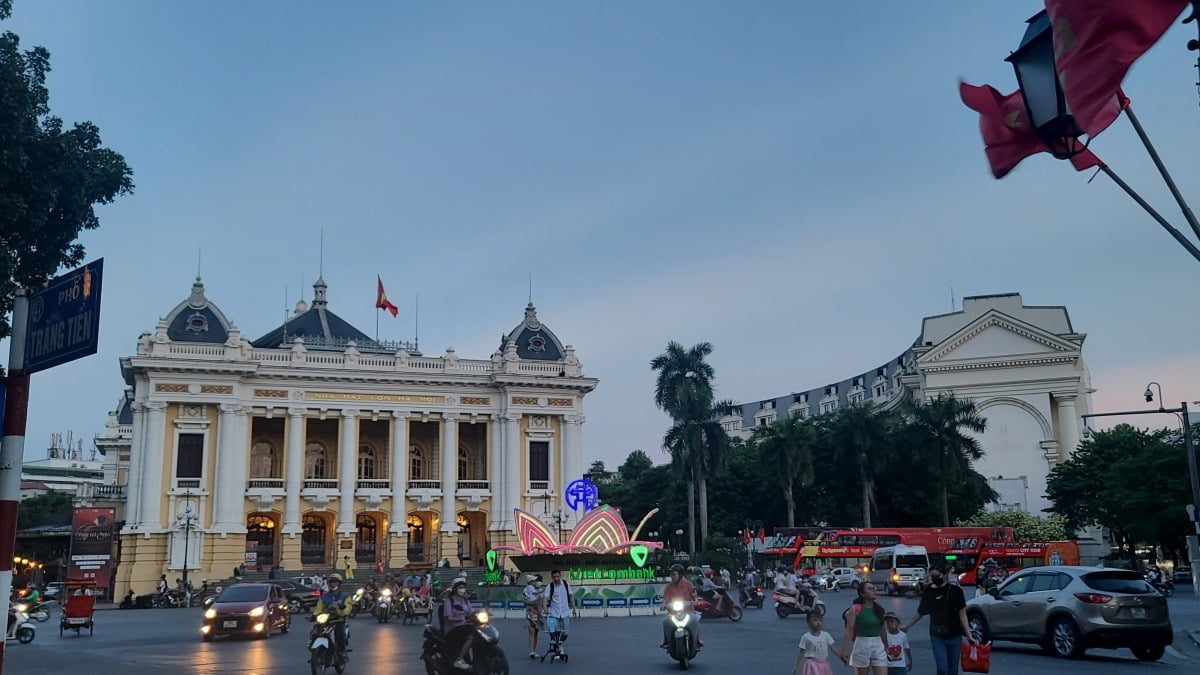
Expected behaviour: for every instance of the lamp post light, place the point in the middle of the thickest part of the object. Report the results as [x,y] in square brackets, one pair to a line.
[678,539]
[1037,76]
[187,518]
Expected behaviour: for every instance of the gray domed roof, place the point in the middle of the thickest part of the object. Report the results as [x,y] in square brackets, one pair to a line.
[197,320]
[534,341]
[316,325]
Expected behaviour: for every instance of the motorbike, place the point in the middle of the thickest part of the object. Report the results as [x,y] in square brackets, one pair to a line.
[128,602]
[708,608]
[829,583]
[362,603]
[321,646]
[752,595]
[486,656]
[172,598]
[1166,587]
[682,646]
[383,606]
[786,605]
[39,612]
[22,629]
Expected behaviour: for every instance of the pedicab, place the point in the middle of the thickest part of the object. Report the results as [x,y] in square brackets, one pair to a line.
[79,607]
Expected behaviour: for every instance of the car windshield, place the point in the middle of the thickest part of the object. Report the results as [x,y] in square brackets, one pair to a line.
[1118,582]
[243,594]
[911,561]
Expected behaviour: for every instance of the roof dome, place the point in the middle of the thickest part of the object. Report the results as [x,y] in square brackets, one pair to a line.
[197,320]
[316,325]
[534,341]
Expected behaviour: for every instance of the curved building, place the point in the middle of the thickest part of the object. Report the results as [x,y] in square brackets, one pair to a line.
[1021,364]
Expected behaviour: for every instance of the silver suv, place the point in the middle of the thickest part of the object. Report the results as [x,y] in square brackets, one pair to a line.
[1069,609]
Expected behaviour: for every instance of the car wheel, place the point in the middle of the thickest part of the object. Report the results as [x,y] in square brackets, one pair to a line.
[854,584]
[978,626]
[295,606]
[1064,639]
[1148,653]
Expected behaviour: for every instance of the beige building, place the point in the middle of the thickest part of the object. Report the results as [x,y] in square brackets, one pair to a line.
[315,443]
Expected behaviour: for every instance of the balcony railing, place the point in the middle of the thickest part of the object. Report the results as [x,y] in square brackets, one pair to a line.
[424,484]
[320,483]
[183,483]
[539,485]
[265,483]
[93,491]
[374,483]
[473,485]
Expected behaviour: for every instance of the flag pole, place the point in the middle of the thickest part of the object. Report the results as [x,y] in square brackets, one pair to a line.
[1153,214]
[1162,170]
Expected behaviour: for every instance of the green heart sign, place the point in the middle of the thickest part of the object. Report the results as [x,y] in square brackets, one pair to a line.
[491,561]
[638,554]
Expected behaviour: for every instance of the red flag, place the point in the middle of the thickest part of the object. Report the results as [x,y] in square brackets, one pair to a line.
[1095,43]
[762,535]
[746,536]
[382,302]
[1008,137]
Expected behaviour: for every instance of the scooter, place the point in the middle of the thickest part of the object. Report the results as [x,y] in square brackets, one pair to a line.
[22,629]
[322,652]
[40,612]
[682,646]
[383,606]
[486,655]
[829,583]
[786,605]
[708,608]
[752,595]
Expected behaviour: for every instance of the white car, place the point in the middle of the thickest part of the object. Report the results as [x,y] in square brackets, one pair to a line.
[847,577]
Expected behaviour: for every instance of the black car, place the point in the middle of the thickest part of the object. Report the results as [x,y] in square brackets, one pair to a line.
[300,598]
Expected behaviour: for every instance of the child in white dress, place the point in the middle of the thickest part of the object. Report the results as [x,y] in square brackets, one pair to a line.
[815,646]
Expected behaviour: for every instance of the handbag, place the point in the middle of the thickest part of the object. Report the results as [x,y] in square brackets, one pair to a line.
[976,659]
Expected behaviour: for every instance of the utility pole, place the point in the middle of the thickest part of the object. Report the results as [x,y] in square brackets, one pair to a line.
[12,449]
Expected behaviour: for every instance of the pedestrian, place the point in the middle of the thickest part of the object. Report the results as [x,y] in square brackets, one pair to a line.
[946,608]
[815,646]
[378,567]
[559,603]
[348,569]
[866,640]
[725,577]
[274,573]
[899,654]
[533,610]
[770,579]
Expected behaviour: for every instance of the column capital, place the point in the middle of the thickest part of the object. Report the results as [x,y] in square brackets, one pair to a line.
[297,412]
[573,419]
[1064,396]
[450,416]
[400,414]
[155,406]
[351,413]
[232,409]
[513,416]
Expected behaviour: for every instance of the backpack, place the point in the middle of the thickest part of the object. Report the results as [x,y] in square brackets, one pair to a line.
[566,587]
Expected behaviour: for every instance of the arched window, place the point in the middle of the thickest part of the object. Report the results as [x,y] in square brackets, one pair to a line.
[316,461]
[263,461]
[416,463]
[312,541]
[366,462]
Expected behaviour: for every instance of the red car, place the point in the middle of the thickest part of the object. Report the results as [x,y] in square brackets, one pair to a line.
[247,609]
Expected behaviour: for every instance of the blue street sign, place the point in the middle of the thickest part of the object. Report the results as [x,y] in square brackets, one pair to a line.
[64,318]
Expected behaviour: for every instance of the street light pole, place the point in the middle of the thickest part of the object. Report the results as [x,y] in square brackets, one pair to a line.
[187,532]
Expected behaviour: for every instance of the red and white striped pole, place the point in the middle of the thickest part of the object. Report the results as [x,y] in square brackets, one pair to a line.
[12,451]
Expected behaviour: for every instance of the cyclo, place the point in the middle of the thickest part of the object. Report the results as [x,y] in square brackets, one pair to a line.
[80,606]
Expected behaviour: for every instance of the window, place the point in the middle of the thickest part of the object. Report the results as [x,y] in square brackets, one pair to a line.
[883,562]
[316,461]
[1048,582]
[263,462]
[880,389]
[539,460]
[1018,586]
[829,406]
[857,397]
[463,464]
[416,463]
[366,462]
[189,458]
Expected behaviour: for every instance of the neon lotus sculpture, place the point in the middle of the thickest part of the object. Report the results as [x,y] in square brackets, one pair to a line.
[600,531]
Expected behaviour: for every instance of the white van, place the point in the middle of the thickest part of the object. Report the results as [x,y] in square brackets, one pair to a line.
[899,569]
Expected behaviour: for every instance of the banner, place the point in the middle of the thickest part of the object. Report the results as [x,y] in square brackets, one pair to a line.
[92,533]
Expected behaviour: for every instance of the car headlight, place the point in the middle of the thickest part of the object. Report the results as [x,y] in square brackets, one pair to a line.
[387,592]
[482,616]
[677,606]
[210,613]
[323,617]
[257,611]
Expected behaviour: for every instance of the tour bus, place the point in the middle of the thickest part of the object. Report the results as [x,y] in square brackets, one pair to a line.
[785,546]
[854,547]
[899,569]
[1000,558]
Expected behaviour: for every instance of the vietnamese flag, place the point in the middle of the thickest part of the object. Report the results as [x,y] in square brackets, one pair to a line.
[762,535]
[746,536]
[382,302]
[1008,137]
[1095,43]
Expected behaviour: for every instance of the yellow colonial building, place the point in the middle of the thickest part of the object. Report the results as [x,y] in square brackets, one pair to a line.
[315,443]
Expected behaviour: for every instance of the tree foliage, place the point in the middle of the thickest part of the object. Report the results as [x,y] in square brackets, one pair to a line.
[941,432]
[48,508]
[51,177]
[1026,526]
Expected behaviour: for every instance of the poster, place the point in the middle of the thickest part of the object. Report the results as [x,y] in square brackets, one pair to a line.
[92,533]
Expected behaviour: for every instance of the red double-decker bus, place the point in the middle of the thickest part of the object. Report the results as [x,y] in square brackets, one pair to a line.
[854,547]
[785,545]
[1001,558]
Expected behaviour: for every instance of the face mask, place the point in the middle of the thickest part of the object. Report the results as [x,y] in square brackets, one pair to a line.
[461,591]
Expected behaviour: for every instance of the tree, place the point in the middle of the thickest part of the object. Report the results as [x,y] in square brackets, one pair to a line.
[785,448]
[1026,526]
[938,427]
[47,508]
[697,443]
[635,464]
[598,473]
[50,177]
[868,438]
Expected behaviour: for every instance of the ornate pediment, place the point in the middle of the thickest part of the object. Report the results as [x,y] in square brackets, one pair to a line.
[997,337]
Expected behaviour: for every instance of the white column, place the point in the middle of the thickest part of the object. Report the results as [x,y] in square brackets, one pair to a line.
[399,471]
[513,480]
[153,452]
[572,459]
[228,494]
[137,460]
[348,475]
[1068,425]
[295,471]
[449,472]
[495,474]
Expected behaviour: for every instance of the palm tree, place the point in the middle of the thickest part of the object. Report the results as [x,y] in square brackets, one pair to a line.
[697,443]
[939,426]
[678,367]
[869,437]
[785,448]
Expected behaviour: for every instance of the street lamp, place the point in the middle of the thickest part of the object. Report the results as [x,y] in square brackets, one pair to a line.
[1045,101]
[679,539]
[1193,474]
[187,518]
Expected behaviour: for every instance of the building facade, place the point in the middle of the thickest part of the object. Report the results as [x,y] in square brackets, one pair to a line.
[315,444]
[1022,366]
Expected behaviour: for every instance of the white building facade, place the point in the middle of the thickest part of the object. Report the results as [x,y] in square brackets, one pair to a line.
[314,445]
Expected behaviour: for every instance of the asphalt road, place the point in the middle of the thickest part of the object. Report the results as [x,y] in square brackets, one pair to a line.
[144,641]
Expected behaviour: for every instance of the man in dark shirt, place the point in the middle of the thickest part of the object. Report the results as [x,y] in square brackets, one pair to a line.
[946,608]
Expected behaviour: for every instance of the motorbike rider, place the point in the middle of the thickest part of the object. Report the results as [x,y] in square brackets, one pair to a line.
[455,610]
[679,588]
[785,583]
[338,604]
[709,589]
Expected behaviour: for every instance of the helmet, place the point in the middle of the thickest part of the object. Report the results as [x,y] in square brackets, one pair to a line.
[783,568]
[334,577]
[677,568]
[459,582]
[708,573]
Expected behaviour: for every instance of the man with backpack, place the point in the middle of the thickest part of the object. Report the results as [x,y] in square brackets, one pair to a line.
[559,603]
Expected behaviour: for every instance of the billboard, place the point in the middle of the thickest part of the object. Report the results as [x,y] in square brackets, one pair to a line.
[92,532]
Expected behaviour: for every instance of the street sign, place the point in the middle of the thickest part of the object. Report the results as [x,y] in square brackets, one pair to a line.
[64,318]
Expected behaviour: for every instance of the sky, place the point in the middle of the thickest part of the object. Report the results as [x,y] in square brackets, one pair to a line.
[795,182]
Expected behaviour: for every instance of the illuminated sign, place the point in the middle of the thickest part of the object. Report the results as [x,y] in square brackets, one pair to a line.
[582,493]
[638,555]
[578,574]
[493,577]
[600,531]
[491,561]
